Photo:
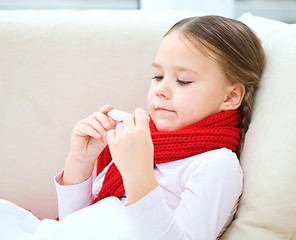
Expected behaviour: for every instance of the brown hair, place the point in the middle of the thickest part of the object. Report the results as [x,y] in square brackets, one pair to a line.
[238,51]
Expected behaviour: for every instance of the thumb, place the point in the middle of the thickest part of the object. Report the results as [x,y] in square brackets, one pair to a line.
[111,134]
[141,118]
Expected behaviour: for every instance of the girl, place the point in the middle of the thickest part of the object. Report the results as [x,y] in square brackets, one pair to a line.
[176,175]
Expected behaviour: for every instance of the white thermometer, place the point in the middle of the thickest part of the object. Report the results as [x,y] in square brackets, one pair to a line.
[117,115]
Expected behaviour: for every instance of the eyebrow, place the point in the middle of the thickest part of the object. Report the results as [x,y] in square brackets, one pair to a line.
[179,68]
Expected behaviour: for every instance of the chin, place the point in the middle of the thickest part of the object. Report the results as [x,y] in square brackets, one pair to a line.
[164,126]
[161,129]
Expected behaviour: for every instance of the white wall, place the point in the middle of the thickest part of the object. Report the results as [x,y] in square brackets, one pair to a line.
[217,7]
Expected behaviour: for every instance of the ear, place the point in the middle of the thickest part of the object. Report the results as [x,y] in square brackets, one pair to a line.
[234,97]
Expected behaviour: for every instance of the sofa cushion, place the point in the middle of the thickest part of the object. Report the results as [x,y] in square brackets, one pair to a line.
[267,209]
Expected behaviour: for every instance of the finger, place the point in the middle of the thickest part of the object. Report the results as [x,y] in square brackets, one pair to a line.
[141,117]
[86,130]
[96,125]
[103,120]
[111,135]
[119,127]
[106,108]
[129,121]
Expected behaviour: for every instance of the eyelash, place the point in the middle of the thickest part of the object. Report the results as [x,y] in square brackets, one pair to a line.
[180,82]
[183,83]
[158,77]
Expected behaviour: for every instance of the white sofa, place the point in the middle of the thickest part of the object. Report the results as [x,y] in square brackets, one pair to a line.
[56,67]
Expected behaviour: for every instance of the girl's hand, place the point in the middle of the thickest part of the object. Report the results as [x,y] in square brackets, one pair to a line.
[89,138]
[131,148]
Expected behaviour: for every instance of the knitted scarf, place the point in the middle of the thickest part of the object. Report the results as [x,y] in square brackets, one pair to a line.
[218,131]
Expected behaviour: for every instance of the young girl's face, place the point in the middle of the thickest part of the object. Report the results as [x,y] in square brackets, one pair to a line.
[187,86]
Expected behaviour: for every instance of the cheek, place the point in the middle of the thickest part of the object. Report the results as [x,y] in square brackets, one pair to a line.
[186,109]
[190,106]
[187,112]
[185,101]
[150,96]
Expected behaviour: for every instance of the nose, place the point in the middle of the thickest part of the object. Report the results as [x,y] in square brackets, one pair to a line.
[163,89]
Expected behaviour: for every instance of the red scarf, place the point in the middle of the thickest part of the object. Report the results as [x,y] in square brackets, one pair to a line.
[218,131]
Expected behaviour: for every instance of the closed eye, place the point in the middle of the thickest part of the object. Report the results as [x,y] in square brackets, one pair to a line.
[183,83]
[158,77]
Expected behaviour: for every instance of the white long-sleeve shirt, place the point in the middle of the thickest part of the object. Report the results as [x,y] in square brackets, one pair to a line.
[196,197]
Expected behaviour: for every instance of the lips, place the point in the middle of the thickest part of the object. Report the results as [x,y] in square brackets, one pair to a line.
[163,109]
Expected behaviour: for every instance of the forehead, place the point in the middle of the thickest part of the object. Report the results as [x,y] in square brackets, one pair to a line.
[175,46]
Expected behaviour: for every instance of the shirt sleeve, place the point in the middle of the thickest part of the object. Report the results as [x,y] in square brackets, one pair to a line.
[153,219]
[72,198]
[211,192]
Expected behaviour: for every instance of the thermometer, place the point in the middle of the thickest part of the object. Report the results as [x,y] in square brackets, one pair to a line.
[117,115]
